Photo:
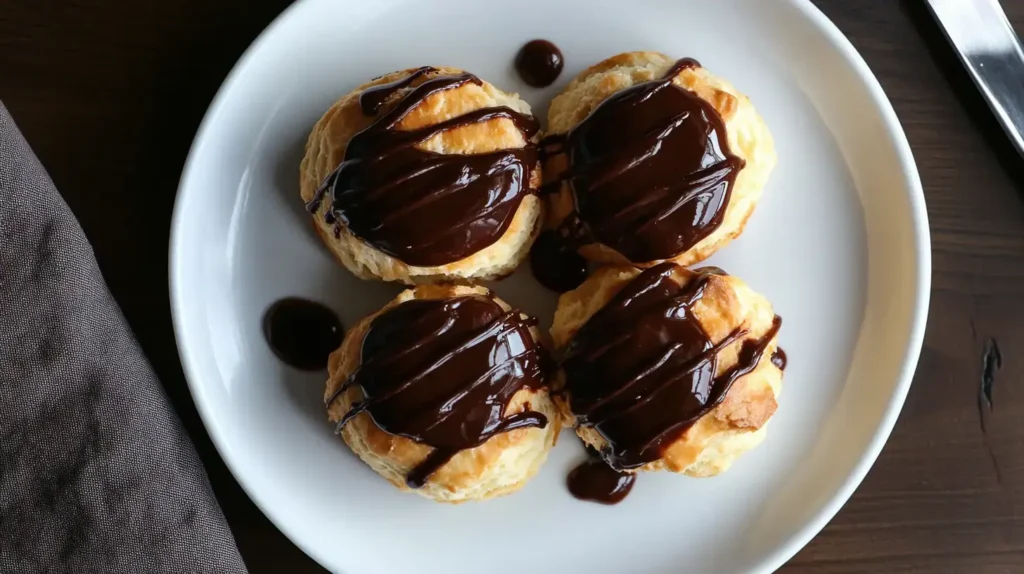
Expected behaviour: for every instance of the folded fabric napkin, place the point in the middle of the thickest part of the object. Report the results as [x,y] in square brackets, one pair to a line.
[96,471]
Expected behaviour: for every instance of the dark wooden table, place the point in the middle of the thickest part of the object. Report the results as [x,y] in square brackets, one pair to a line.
[110,92]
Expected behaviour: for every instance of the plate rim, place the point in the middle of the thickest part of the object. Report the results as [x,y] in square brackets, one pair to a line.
[787,548]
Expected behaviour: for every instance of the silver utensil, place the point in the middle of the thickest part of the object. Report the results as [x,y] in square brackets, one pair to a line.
[992,54]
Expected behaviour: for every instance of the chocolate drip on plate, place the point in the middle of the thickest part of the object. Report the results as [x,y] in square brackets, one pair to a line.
[442,371]
[642,369]
[555,264]
[779,359]
[302,333]
[650,169]
[596,481]
[421,207]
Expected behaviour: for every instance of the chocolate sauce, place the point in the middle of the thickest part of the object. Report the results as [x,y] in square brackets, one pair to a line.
[555,264]
[650,169]
[421,207]
[551,146]
[302,333]
[642,369]
[442,371]
[539,63]
[594,480]
[779,359]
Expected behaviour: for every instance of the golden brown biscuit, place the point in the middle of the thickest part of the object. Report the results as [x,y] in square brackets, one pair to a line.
[747,136]
[384,348]
[329,141]
[724,309]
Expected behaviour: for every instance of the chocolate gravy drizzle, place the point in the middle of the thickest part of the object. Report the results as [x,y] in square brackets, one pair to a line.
[442,371]
[779,359]
[421,207]
[642,369]
[302,333]
[650,169]
[539,63]
[594,480]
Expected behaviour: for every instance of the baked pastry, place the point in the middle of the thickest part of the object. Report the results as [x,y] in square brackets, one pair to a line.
[650,159]
[667,368]
[425,175]
[443,391]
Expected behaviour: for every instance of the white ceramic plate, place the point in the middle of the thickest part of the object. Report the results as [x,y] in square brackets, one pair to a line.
[839,243]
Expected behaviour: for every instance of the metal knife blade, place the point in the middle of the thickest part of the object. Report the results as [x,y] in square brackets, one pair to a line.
[992,54]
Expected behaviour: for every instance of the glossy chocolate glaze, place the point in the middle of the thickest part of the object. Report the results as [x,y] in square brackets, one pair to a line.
[442,371]
[302,333]
[650,169]
[642,369]
[539,63]
[596,481]
[421,207]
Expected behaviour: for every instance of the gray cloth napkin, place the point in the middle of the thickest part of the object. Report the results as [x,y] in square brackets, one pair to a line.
[96,471]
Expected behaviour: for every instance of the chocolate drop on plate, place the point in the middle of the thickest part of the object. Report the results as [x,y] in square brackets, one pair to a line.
[539,63]
[555,264]
[779,359]
[594,480]
[302,333]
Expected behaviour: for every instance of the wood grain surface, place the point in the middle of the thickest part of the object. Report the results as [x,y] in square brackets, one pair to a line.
[110,93]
